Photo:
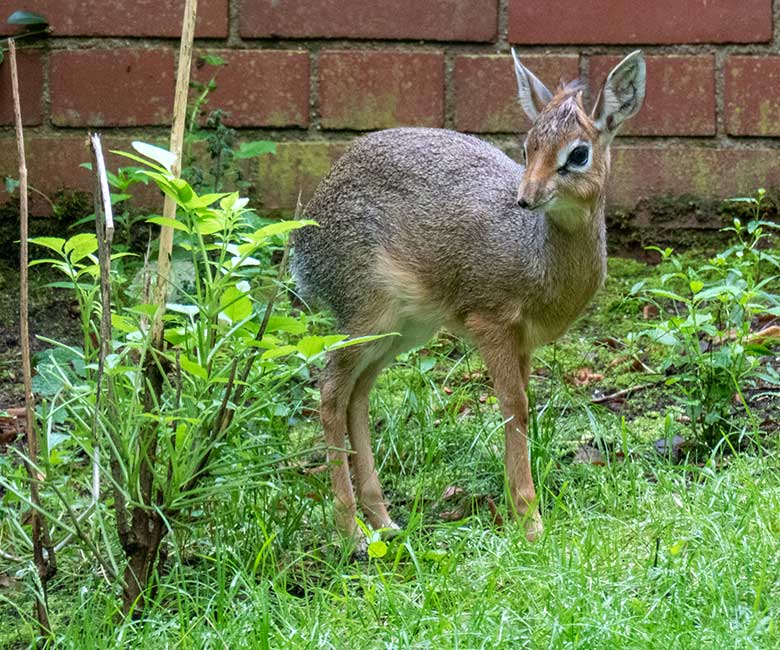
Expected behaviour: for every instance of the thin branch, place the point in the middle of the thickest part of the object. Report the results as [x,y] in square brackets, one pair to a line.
[104,227]
[624,393]
[40,532]
[225,415]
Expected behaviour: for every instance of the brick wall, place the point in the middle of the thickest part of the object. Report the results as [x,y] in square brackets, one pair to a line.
[312,74]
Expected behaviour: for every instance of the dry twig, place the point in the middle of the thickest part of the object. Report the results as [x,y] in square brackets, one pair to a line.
[40,538]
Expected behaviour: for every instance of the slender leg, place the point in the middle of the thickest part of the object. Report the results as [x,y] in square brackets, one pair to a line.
[509,365]
[338,380]
[369,490]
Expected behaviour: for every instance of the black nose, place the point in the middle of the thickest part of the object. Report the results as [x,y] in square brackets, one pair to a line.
[523,203]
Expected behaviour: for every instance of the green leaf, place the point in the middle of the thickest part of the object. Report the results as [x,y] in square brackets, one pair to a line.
[311,346]
[138,159]
[54,243]
[11,184]
[192,367]
[427,364]
[696,286]
[212,59]
[635,289]
[281,351]
[377,549]
[184,192]
[360,340]
[285,324]
[189,310]
[663,293]
[158,154]
[235,304]
[26,18]
[254,149]
[169,223]
[144,309]
[206,200]
[81,245]
[278,228]
[123,324]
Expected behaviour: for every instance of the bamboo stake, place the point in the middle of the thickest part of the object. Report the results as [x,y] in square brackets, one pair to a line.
[177,146]
[39,531]
[147,526]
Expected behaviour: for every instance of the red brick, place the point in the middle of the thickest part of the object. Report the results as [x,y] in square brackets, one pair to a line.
[30,68]
[53,165]
[260,87]
[680,97]
[296,167]
[486,89]
[752,95]
[433,20]
[644,171]
[626,21]
[638,172]
[118,87]
[126,17]
[380,88]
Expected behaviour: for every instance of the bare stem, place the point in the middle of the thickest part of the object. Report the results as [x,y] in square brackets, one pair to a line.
[39,531]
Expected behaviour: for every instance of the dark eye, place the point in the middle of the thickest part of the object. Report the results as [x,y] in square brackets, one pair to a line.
[578,156]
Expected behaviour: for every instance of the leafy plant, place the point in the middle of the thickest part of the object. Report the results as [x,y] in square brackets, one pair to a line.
[172,449]
[713,351]
[221,142]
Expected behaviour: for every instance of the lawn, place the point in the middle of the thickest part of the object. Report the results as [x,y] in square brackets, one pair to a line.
[650,541]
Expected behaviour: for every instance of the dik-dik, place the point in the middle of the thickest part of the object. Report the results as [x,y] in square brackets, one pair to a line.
[427,228]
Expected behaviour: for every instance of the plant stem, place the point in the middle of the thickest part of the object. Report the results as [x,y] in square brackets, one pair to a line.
[147,526]
[44,565]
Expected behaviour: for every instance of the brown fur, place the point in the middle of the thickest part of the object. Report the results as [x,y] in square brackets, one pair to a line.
[421,228]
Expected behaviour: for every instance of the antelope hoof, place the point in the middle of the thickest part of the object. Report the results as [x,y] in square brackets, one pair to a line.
[533,526]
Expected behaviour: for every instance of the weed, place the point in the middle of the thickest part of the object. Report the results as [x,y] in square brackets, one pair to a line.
[714,352]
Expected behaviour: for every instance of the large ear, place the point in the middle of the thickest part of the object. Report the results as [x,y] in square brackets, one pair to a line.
[533,94]
[622,95]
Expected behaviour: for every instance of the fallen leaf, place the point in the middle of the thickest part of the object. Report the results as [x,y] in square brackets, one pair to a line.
[317,469]
[6,581]
[771,333]
[451,491]
[498,520]
[584,377]
[611,342]
[673,449]
[589,455]
[650,312]
[453,515]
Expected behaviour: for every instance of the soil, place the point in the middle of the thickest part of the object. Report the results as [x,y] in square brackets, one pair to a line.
[53,315]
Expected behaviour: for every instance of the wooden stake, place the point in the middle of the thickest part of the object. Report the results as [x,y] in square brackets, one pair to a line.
[147,525]
[39,531]
[177,146]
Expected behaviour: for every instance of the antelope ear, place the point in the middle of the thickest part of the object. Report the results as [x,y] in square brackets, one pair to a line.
[622,95]
[531,92]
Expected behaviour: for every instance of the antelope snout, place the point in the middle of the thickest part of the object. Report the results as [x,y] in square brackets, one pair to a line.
[531,197]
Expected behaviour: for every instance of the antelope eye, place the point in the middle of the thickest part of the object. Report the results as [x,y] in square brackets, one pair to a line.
[578,156]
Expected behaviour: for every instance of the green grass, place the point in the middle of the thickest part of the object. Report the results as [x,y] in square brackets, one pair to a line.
[638,552]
